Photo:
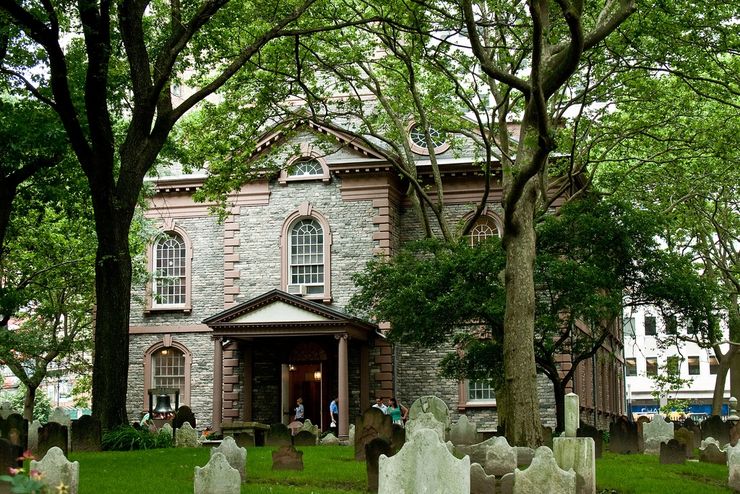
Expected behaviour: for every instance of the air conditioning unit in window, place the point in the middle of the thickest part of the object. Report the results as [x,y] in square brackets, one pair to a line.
[301,290]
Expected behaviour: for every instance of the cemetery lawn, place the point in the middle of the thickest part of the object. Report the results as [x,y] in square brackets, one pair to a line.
[637,474]
[327,469]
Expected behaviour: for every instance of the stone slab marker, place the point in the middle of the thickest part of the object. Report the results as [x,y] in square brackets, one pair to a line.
[236,456]
[287,458]
[183,414]
[544,475]
[586,430]
[279,435]
[424,421]
[500,457]
[733,462]
[464,431]
[717,428]
[572,414]
[672,453]
[480,481]
[186,436]
[371,424]
[304,438]
[56,469]
[51,435]
[712,454]
[217,477]
[433,405]
[578,454]
[33,436]
[424,465]
[655,432]
[373,450]
[685,437]
[86,434]
[623,437]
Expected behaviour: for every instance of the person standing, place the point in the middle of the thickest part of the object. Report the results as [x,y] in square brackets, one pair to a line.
[380,405]
[334,412]
[398,412]
[299,411]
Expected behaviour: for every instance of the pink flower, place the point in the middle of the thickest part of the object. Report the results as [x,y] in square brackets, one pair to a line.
[27,455]
[15,471]
[35,474]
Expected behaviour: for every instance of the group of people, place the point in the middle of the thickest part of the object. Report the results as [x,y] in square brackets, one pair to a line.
[300,412]
[398,412]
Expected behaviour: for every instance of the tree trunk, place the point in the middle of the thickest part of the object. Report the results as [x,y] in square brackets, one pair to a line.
[29,401]
[719,383]
[558,388]
[734,331]
[523,427]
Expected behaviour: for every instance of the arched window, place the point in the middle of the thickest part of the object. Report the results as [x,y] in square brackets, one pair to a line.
[167,366]
[306,247]
[305,167]
[170,267]
[309,165]
[485,227]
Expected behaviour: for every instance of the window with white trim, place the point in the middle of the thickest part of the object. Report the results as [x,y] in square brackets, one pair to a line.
[480,391]
[306,255]
[169,287]
[168,365]
[484,228]
[305,167]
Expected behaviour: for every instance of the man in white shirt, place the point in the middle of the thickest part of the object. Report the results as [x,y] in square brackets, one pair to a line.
[380,405]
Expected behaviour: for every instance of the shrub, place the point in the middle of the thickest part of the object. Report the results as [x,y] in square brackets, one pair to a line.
[127,438]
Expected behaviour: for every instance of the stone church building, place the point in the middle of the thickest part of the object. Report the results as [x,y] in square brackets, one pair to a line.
[243,316]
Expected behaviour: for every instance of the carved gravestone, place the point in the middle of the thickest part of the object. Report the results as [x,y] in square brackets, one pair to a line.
[183,414]
[480,481]
[217,477]
[712,454]
[693,427]
[287,458]
[433,405]
[425,420]
[623,437]
[279,435]
[524,456]
[86,435]
[544,475]
[710,440]
[578,454]
[55,469]
[672,453]
[304,438]
[60,416]
[373,423]
[686,438]
[373,450]
[423,461]
[641,421]
[503,458]
[733,463]
[15,429]
[53,434]
[715,427]
[655,432]
[506,484]
[236,456]
[186,436]
[464,431]
[329,440]
[586,430]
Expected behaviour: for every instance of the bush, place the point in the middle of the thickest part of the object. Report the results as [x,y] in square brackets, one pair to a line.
[127,438]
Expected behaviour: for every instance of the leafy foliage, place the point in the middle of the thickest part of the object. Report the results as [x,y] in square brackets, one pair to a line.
[127,438]
[41,407]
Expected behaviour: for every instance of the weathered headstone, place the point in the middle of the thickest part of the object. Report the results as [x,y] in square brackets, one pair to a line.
[500,458]
[33,436]
[480,482]
[304,438]
[734,433]
[672,453]
[578,454]
[506,484]
[433,405]
[715,427]
[51,435]
[312,428]
[279,435]
[56,470]
[464,431]
[236,456]
[373,450]
[544,475]
[14,428]
[623,437]
[693,427]
[656,432]
[686,438]
[183,414]
[425,420]
[373,423]
[329,440]
[60,416]
[167,429]
[572,414]
[86,434]
[398,437]
[217,477]
[6,408]
[712,454]
[287,458]
[733,462]
[524,456]
[641,421]
[424,461]
[186,436]
[586,430]
[710,440]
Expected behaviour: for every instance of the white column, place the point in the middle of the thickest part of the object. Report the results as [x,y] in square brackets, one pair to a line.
[218,367]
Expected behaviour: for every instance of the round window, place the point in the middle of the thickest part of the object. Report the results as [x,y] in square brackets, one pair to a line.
[419,143]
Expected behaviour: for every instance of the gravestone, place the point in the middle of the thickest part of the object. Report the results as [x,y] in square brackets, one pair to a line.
[183,414]
[167,430]
[623,437]
[398,437]
[734,433]
[424,461]
[186,436]
[544,475]
[14,428]
[86,435]
[304,438]
[641,421]
[55,469]
[480,482]
[33,436]
[287,458]
[508,458]
[715,427]
[712,454]
[309,427]
[217,477]
[236,456]
[279,435]
[572,414]
[371,424]
[6,409]
[464,431]
[546,436]
[733,462]
[60,416]
[686,438]
[329,440]
[524,456]
[693,427]
[8,457]
[423,421]
[373,450]
[433,405]
[586,430]
[506,484]
[656,432]
[578,454]
[672,453]
[51,435]
[710,440]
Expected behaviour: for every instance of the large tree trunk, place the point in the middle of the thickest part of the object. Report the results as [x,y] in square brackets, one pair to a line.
[558,388]
[719,384]
[29,401]
[523,427]
[734,330]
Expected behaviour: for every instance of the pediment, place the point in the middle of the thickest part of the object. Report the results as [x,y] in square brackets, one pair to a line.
[276,312]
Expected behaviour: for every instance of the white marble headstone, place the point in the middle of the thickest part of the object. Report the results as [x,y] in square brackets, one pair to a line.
[55,469]
[217,477]
[236,456]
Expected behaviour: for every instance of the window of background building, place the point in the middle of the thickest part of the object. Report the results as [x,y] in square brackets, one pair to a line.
[651,366]
[713,365]
[629,327]
[480,391]
[693,366]
[631,366]
[306,256]
[484,228]
[169,369]
[650,326]
[306,167]
[170,282]
[673,365]
[671,325]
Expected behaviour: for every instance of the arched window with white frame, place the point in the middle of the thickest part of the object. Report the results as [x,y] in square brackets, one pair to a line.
[170,264]
[306,245]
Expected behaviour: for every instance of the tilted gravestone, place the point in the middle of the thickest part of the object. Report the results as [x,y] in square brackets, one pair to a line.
[279,435]
[287,458]
[715,427]
[304,438]
[505,456]
[217,477]
[55,470]
[236,456]
[655,432]
[693,427]
[672,453]
[373,423]
[623,437]
[14,428]
[544,475]
[712,454]
[186,436]
[373,450]
[86,434]
[586,430]
[423,421]
[51,435]
[686,438]
[329,440]
[433,405]
[480,481]
[183,414]
[464,431]
[424,461]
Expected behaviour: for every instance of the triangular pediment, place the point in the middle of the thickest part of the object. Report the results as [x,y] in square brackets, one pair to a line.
[276,312]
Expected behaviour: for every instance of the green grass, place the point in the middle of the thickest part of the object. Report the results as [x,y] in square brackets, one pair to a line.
[333,470]
[638,474]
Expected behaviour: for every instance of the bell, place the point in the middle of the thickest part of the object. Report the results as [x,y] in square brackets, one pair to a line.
[163,404]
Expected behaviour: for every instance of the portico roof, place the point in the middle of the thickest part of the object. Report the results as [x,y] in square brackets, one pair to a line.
[280,314]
